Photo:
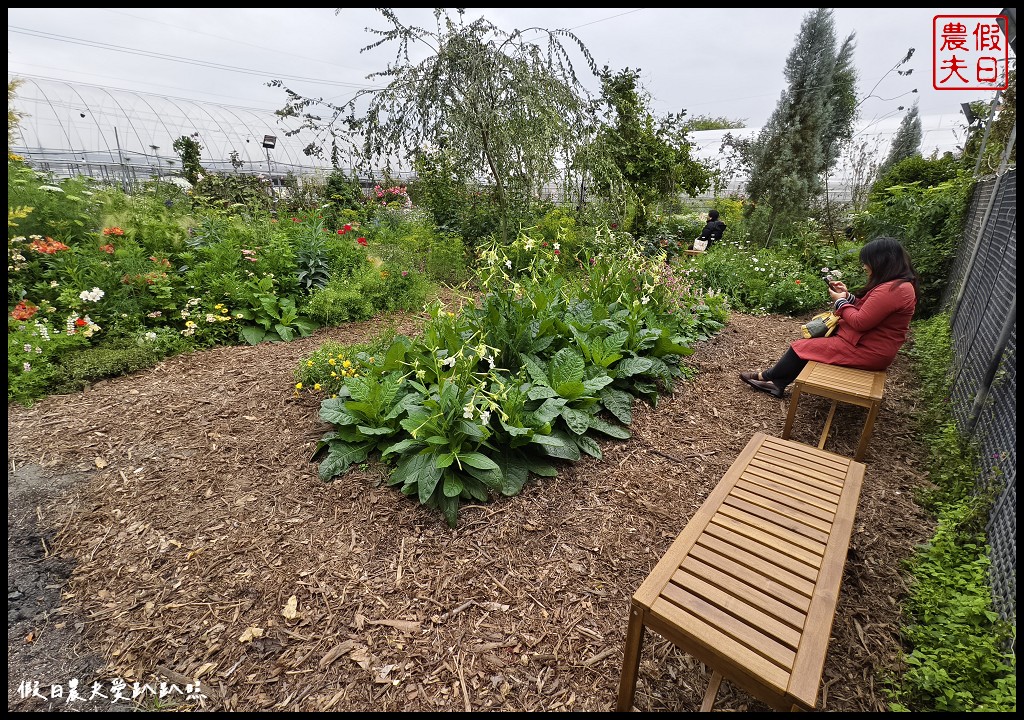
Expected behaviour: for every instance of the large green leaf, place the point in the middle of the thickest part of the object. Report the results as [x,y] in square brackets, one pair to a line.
[577,420]
[566,368]
[400,447]
[477,460]
[333,411]
[619,404]
[670,346]
[367,430]
[252,334]
[539,466]
[514,473]
[339,458]
[608,429]
[571,389]
[632,366]
[420,470]
[452,485]
[589,446]
[567,451]
[285,332]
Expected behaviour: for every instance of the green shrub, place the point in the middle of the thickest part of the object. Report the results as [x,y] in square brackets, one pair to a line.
[957,653]
[342,300]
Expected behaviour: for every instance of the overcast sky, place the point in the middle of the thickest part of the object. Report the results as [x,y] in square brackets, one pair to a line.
[720,62]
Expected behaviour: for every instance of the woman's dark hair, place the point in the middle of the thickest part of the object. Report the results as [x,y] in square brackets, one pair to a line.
[713,214]
[888,260]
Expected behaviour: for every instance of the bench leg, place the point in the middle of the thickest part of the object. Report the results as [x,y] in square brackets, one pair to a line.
[865,436]
[791,415]
[712,693]
[631,660]
[828,425]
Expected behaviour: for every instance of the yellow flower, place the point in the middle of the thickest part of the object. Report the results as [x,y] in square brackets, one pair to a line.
[298,386]
[309,363]
[371,359]
[347,364]
[334,374]
[316,386]
[331,361]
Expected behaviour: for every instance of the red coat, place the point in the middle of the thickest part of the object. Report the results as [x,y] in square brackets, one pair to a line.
[871,331]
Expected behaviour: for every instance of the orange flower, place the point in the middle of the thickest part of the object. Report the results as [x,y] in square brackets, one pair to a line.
[49,246]
[24,311]
[108,248]
[113,231]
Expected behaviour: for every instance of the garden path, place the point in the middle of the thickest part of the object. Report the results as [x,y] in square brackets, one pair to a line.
[155,518]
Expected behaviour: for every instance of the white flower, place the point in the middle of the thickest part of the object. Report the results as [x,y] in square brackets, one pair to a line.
[485,417]
[94,295]
[556,246]
[467,412]
[151,335]
[27,348]
[54,283]
[837,275]
[50,188]
[825,270]
[644,300]
[449,361]
[508,264]
[27,366]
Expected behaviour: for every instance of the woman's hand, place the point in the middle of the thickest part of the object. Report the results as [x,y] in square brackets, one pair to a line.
[837,290]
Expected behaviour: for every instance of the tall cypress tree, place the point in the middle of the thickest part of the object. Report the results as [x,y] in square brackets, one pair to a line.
[813,118]
[907,141]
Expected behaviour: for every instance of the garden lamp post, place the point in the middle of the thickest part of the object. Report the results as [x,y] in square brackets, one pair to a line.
[269,141]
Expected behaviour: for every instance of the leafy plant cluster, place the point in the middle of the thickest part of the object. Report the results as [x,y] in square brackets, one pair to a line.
[534,375]
[957,656]
[101,282]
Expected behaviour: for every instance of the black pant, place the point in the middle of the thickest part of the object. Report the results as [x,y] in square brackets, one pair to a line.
[785,370]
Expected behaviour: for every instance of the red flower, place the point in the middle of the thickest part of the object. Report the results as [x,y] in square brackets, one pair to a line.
[614,226]
[797,282]
[295,220]
[108,248]
[362,241]
[558,252]
[24,311]
[80,322]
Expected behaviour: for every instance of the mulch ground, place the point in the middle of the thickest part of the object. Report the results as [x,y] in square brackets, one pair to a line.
[168,525]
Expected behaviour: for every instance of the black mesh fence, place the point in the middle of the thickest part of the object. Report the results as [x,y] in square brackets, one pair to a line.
[982,296]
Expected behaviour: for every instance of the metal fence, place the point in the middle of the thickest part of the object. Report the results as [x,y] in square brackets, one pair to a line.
[982,299]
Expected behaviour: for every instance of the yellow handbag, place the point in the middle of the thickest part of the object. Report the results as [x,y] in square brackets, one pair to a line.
[821,325]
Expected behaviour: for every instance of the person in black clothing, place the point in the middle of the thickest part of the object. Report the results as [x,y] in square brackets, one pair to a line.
[713,231]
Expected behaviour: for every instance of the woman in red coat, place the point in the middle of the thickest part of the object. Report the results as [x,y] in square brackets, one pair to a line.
[872,327]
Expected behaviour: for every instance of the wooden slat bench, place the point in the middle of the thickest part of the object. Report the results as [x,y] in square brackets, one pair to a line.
[750,586]
[840,384]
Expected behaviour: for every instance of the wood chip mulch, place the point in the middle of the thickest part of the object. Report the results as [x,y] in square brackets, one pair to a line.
[183,504]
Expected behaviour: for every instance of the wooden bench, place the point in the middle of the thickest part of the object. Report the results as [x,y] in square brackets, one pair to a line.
[840,384]
[750,586]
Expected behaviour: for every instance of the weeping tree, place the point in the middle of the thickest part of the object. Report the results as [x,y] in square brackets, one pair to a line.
[503,109]
[907,141]
[802,140]
[635,158]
